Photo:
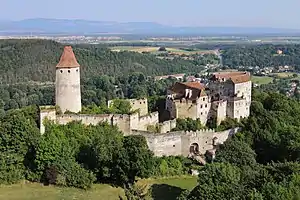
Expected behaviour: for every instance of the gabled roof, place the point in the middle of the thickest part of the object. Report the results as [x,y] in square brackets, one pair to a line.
[197,88]
[195,85]
[240,79]
[67,59]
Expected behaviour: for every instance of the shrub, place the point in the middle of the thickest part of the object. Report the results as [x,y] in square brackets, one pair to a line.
[51,175]
[61,180]
[11,168]
[76,176]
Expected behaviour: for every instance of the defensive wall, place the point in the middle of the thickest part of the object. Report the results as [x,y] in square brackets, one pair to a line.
[180,142]
[136,104]
[125,123]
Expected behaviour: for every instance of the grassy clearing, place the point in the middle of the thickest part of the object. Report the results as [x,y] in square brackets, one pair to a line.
[170,188]
[261,80]
[35,191]
[167,189]
[283,74]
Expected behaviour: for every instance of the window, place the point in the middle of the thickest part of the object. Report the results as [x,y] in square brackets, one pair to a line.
[61,71]
[69,71]
[201,106]
[203,99]
[77,70]
[201,113]
[205,105]
[174,145]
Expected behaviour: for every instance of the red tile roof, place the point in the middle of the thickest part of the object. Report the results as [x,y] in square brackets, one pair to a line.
[197,88]
[195,85]
[235,77]
[67,59]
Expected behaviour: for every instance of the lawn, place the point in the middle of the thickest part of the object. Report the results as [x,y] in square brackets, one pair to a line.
[155,50]
[167,189]
[261,80]
[35,191]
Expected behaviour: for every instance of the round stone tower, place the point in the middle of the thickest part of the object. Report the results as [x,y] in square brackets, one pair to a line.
[67,84]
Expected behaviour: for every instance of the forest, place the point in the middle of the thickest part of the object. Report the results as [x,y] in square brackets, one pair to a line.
[35,60]
[264,55]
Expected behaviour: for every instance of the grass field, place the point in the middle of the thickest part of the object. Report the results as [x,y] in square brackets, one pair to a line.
[283,74]
[162,189]
[155,50]
[261,80]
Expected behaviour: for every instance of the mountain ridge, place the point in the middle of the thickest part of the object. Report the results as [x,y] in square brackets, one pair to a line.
[80,26]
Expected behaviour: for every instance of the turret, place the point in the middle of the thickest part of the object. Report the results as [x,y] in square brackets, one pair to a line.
[67,85]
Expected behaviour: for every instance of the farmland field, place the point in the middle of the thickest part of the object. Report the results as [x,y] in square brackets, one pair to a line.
[283,74]
[166,189]
[261,80]
[155,50]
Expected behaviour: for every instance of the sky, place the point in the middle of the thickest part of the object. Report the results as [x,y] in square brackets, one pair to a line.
[242,13]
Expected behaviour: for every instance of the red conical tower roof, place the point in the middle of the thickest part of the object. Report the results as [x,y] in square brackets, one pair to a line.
[67,59]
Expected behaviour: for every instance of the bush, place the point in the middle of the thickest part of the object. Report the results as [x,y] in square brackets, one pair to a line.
[11,168]
[76,176]
[51,175]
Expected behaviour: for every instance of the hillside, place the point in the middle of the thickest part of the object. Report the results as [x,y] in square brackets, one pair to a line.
[262,55]
[35,60]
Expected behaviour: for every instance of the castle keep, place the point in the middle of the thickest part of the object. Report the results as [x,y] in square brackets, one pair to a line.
[226,95]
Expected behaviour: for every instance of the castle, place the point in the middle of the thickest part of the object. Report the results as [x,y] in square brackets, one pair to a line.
[226,95]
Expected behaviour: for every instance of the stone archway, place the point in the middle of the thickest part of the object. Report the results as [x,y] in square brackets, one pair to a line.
[194,149]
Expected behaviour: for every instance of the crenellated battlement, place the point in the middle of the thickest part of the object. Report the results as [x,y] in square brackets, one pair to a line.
[199,132]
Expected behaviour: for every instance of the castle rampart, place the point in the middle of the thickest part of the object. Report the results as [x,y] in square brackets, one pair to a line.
[179,143]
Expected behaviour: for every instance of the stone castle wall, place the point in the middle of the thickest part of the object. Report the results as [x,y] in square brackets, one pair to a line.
[48,112]
[124,122]
[136,104]
[167,126]
[185,109]
[178,143]
[142,123]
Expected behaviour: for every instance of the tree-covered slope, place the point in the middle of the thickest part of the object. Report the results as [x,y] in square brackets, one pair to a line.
[35,60]
[262,55]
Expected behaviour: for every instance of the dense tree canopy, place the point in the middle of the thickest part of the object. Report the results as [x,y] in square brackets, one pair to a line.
[262,55]
[35,60]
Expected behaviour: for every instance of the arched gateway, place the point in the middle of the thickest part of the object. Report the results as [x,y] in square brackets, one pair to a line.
[194,149]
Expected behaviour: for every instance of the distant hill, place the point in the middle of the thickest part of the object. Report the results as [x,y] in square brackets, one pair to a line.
[35,60]
[62,26]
